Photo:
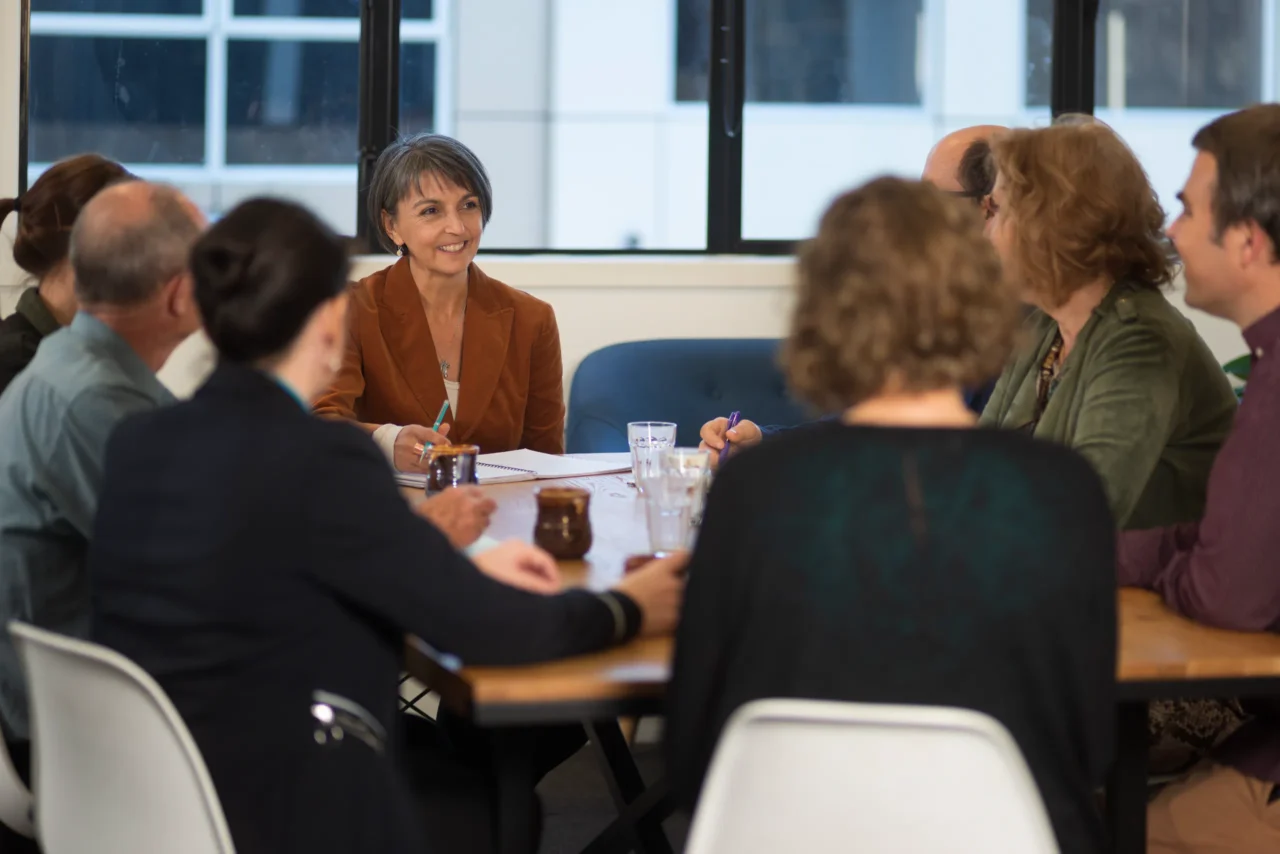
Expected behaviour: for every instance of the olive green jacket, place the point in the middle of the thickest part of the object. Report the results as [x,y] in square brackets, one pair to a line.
[1139,396]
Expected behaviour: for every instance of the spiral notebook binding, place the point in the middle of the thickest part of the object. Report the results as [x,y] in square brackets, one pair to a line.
[508,468]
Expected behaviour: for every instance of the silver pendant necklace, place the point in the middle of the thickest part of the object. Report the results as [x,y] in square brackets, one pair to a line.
[444,363]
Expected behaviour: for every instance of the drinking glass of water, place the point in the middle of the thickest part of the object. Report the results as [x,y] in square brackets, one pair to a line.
[673,497]
[647,440]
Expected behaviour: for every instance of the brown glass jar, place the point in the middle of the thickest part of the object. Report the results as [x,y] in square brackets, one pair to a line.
[450,465]
[564,523]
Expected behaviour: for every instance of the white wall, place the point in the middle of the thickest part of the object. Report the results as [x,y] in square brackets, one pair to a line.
[601,300]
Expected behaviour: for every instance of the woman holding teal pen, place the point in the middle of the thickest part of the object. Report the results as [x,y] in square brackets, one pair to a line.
[432,336]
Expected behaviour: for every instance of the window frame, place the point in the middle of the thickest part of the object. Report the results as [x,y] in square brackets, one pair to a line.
[217,27]
[1071,90]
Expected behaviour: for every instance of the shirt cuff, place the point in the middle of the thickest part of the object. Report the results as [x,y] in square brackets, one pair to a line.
[1142,555]
[385,438]
[480,546]
[626,614]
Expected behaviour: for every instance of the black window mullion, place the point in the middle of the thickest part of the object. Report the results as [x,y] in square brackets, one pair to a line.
[24,89]
[727,94]
[379,104]
[1075,25]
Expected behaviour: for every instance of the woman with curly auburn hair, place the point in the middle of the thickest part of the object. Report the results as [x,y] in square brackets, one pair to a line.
[1111,368]
[876,557]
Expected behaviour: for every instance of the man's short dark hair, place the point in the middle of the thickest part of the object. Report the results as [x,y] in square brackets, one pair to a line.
[977,172]
[1246,146]
[122,259]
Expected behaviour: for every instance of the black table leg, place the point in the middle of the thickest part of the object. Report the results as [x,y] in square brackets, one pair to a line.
[626,785]
[1127,788]
[517,810]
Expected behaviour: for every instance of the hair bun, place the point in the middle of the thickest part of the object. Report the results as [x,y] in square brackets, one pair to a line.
[226,267]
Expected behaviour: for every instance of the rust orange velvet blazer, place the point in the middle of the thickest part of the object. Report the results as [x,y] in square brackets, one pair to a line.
[511,392]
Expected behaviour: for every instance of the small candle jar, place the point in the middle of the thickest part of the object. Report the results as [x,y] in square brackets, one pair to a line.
[450,465]
[564,525]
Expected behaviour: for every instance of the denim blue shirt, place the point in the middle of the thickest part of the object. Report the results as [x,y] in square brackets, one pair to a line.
[55,419]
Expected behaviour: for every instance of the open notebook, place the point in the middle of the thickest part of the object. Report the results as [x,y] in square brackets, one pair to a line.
[515,466]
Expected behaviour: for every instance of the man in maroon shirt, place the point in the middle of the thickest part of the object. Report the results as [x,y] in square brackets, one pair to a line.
[1225,569]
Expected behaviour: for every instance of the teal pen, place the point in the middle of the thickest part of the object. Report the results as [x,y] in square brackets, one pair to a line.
[444,408]
[440,418]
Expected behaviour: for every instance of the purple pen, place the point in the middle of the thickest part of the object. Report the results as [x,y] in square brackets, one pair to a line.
[734,418]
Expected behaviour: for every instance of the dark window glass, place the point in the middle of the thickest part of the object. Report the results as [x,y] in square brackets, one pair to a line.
[1039,37]
[292,102]
[1179,53]
[140,7]
[811,51]
[417,87]
[693,49]
[1202,54]
[136,100]
[323,8]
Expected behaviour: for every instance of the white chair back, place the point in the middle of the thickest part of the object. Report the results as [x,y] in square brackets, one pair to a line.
[824,777]
[114,769]
[15,799]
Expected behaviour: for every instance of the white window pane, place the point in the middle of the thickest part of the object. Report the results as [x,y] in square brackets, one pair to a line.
[840,91]
[571,105]
[1167,67]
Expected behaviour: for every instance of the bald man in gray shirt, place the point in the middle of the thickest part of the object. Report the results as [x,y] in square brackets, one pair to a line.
[129,252]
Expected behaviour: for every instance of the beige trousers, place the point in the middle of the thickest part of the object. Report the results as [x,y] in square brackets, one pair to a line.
[1214,810]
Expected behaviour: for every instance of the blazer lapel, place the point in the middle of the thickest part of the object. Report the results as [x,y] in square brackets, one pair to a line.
[408,337]
[485,336]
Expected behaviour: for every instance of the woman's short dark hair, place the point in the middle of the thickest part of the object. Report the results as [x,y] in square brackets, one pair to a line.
[402,164]
[51,205]
[260,272]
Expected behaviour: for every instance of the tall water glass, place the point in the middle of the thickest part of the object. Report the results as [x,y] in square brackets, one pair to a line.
[695,465]
[647,439]
[672,494]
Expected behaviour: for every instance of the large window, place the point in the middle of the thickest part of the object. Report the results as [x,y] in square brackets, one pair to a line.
[225,98]
[1166,67]
[839,91]
[595,118]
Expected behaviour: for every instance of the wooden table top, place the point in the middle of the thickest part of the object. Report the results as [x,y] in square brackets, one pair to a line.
[1156,645]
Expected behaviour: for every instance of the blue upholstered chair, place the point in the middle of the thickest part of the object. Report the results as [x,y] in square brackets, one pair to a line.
[688,381]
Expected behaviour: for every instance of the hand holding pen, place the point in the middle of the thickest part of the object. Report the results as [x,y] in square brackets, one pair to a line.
[734,418]
[414,442]
[722,436]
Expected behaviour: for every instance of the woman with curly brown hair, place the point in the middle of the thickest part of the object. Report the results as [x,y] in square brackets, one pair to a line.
[883,557]
[1111,368]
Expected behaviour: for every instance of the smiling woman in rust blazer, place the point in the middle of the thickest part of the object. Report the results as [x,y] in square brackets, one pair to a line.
[433,327]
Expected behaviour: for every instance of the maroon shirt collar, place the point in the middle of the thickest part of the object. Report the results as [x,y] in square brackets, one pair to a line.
[1263,336]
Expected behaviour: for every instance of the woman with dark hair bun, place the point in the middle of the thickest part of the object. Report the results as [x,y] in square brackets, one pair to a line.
[262,565]
[46,213]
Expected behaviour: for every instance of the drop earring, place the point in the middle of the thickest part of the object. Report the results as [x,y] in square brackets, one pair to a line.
[402,250]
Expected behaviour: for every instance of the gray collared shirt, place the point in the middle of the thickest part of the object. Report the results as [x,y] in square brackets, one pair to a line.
[55,419]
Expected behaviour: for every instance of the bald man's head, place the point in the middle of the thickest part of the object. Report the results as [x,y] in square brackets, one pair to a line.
[943,167]
[129,240]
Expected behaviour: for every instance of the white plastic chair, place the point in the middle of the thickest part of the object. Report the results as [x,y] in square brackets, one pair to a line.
[15,799]
[114,769]
[819,777]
